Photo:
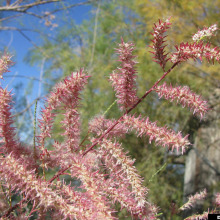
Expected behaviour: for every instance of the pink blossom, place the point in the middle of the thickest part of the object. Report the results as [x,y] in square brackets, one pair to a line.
[64,96]
[193,199]
[92,182]
[99,125]
[25,181]
[205,32]
[161,135]
[158,42]
[184,96]
[123,79]
[5,63]
[217,199]
[203,216]
[195,51]
[124,185]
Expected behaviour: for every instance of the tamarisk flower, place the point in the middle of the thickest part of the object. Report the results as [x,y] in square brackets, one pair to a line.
[8,141]
[7,132]
[82,200]
[100,124]
[124,185]
[118,158]
[161,135]
[92,183]
[65,96]
[21,179]
[184,96]
[205,32]
[158,42]
[217,199]
[5,63]
[195,51]
[203,216]
[123,79]
[193,199]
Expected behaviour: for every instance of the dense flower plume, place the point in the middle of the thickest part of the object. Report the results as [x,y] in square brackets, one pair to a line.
[123,79]
[100,124]
[217,199]
[65,96]
[161,135]
[193,199]
[104,172]
[205,32]
[203,216]
[158,42]
[5,63]
[184,96]
[20,179]
[195,51]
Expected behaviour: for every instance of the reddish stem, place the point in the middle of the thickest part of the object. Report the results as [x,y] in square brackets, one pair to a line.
[59,173]
[134,106]
[110,128]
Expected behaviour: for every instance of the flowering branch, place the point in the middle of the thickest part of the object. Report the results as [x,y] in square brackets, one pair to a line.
[123,79]
[129,110]
[107,174]
[193,199]
[184,96]
[158,42]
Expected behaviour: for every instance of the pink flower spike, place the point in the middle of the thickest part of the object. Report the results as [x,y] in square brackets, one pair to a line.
[205,32]
[5,63]
[195,51]
[161,135]
[123,79]
[217,199]
[158,42]
[185,97]
[100,124]
[193,199]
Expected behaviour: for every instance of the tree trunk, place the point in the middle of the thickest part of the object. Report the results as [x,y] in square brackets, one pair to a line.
[202,168]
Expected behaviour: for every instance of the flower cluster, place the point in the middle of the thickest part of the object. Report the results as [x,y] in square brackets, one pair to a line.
[217,199]
[161,135]
[184,96]
[99,125]
[158,42]
[195,51]
[205,32]
[65,96]
[193,199]
[203,216]
[106,174]
[123,79]
[5,63]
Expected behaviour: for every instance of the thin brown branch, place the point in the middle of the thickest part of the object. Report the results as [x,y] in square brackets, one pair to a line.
[24,8]
[206,161]
[28,77]
[27,108]
[9,17]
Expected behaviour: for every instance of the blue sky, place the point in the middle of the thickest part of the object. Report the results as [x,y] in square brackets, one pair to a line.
[18,46]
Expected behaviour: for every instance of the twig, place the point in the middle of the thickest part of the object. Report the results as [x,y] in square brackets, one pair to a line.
[29,106]
[28,77]
[134,106]
[94,34]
